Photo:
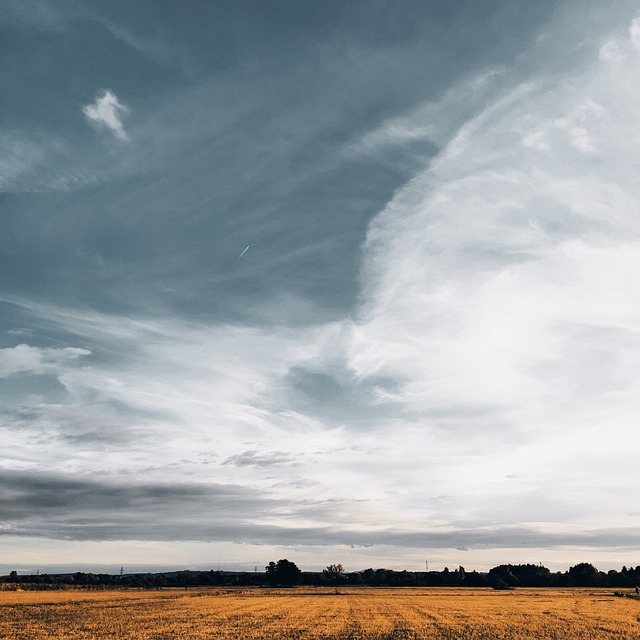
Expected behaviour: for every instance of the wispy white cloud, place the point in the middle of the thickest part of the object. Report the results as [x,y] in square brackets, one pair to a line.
[434,121]
[41,15]
[634,33]
[18,158]
[107,111]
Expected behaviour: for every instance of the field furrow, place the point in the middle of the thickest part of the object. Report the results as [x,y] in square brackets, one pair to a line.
[319,614]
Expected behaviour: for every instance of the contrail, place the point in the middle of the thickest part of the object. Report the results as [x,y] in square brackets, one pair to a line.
[245,251]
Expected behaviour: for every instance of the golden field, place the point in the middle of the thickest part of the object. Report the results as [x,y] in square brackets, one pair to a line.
[357,613]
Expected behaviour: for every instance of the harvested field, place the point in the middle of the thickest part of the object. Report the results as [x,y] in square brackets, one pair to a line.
[376,614]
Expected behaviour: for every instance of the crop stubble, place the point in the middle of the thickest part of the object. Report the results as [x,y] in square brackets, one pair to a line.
[311,614]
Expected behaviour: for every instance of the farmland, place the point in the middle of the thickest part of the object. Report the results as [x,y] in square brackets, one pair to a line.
[314,613]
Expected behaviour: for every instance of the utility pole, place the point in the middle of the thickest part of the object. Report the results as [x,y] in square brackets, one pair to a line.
[426,566]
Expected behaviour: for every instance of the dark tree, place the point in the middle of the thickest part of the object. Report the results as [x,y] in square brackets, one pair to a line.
[502,577]
[354,578]
[283,572]
[271,572]
[583,575]
[334,573]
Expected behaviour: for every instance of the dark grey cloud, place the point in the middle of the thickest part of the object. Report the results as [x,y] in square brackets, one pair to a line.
[61,507]
[57,506]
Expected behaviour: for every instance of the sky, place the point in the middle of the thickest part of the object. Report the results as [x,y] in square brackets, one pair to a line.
[328,281]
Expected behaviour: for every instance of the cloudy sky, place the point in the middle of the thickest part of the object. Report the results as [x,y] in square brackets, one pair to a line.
[332,281]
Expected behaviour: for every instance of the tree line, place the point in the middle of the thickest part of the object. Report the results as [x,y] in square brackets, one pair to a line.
[285,573]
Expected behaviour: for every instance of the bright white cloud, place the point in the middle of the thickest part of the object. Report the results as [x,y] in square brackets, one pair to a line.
[503,280]
[36,359]
[107,111]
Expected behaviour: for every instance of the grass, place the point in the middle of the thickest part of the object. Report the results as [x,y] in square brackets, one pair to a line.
[301,614]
